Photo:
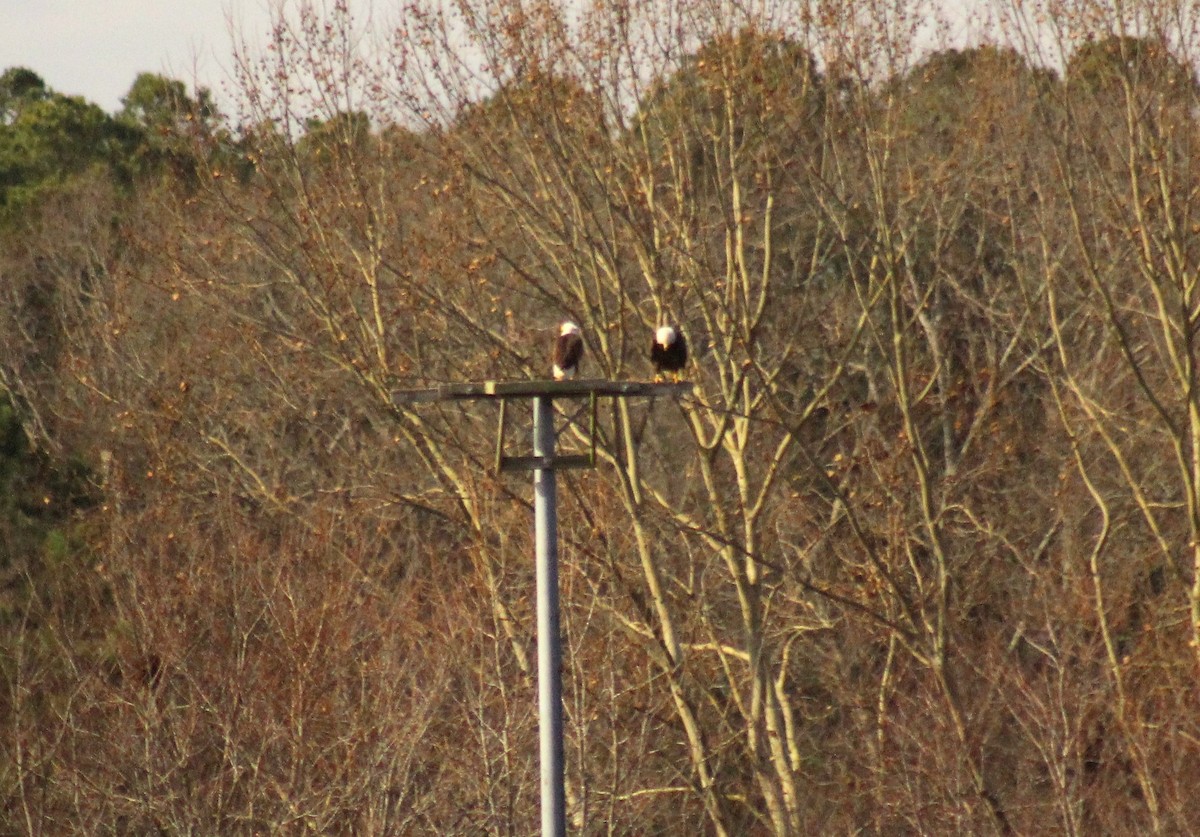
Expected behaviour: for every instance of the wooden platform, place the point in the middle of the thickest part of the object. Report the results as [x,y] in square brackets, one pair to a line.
[585,388]
[590,390]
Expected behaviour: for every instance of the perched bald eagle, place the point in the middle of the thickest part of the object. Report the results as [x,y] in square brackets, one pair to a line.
[568,349]
[668,352]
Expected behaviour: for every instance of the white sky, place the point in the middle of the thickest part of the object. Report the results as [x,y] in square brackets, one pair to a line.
[95,48]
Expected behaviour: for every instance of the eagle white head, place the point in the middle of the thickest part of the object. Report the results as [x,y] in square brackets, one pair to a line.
[665,336]
[569,328]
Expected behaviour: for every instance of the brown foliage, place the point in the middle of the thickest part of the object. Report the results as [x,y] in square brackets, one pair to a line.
[920,554]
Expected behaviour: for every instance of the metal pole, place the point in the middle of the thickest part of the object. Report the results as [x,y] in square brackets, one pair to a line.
[550,718]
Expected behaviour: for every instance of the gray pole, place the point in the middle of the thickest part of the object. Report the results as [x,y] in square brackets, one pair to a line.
[550,718]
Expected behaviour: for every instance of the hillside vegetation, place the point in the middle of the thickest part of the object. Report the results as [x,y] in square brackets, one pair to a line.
[920,555]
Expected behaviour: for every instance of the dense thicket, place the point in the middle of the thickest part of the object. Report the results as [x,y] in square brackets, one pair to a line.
[921,554]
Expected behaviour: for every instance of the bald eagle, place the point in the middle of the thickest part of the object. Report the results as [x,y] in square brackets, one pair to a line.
[568,349]
[668,352]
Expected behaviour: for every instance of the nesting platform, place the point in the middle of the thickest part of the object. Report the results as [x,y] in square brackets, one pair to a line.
[583,388]
[591,389]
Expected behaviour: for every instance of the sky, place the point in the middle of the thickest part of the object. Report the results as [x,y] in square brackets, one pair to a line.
[96,48]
